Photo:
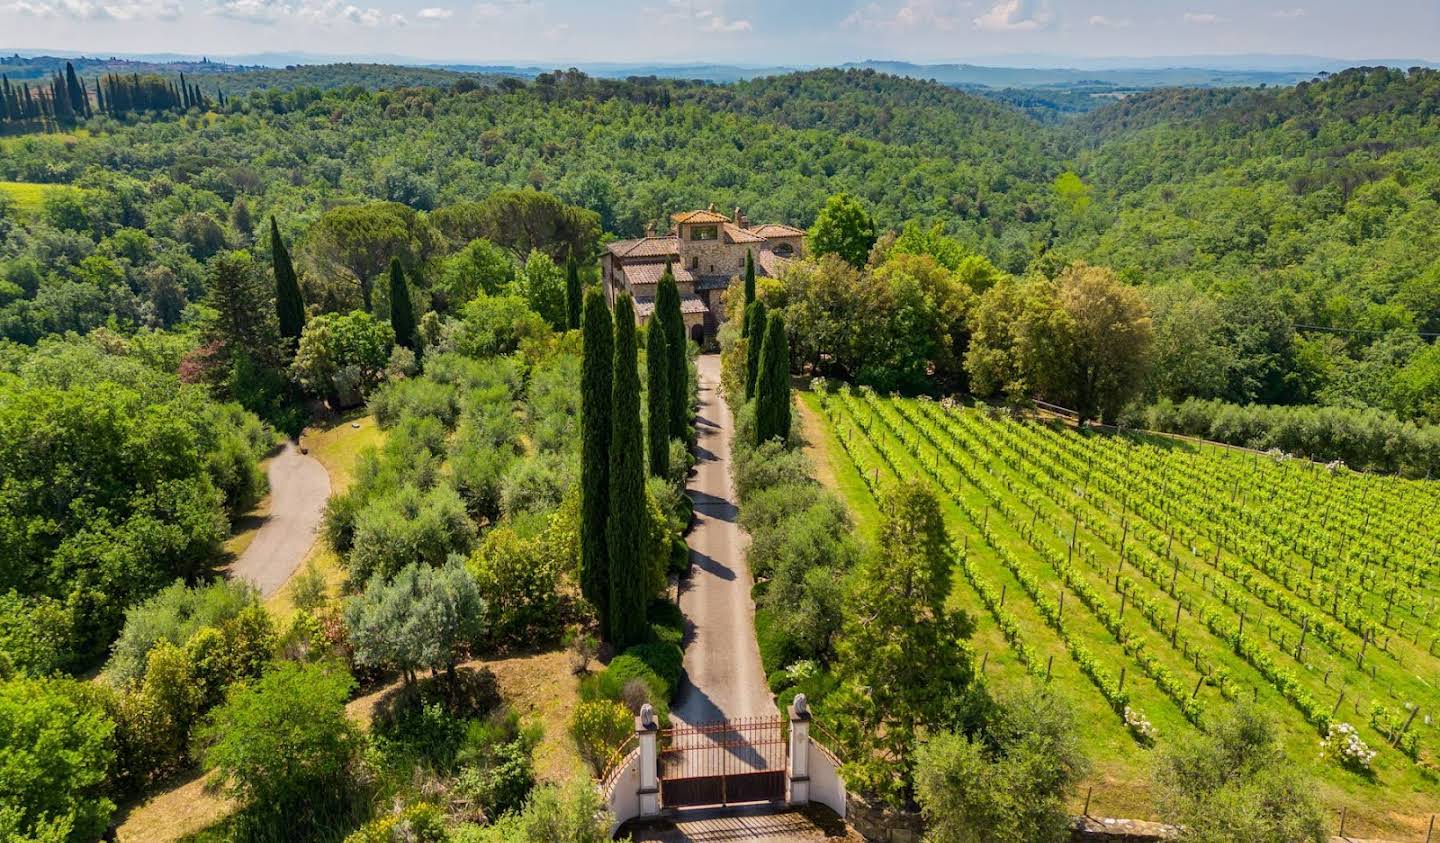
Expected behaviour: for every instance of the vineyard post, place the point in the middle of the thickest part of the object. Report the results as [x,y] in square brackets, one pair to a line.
[1300,648]
[1343,811]
[1091,790]
[1122,677]
[1060,616]
[1411,719]
[1336,710]
[1050,662]
[984,661]
[1195,693]
[1123,595]
[1175,628]
[1431,830]
[1364,642]
[1003,586]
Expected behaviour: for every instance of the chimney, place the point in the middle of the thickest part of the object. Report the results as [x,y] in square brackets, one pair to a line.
[740,218]
[650,230]
[712,207]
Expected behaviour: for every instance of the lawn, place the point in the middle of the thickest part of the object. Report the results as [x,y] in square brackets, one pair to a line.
[28,196]
[1043,514]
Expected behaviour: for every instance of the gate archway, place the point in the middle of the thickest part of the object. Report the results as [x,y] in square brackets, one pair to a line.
[728,762]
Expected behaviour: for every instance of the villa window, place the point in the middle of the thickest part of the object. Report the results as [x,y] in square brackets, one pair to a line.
[704,232]
[784,250]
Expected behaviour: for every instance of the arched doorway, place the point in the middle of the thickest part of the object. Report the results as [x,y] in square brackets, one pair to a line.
[697,334]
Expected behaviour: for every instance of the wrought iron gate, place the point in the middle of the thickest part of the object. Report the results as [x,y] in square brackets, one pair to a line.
[729,762]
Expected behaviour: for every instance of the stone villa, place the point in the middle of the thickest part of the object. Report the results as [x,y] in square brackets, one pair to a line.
[706,250]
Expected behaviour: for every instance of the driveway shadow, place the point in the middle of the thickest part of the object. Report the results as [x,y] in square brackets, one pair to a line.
[713,506]
[708,564]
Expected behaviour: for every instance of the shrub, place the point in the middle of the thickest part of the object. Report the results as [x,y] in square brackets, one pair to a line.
[666,660]
[36,635]
[599,728]
[309,590]
[667,622]
[283,744]
[420,822]
[770,464]
[409,526]
[174,615]
[424,398]
[536,485]
[573,813]
[58,747]
[519,580]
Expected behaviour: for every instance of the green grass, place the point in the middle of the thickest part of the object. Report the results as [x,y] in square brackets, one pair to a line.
[884,438]
[28,196]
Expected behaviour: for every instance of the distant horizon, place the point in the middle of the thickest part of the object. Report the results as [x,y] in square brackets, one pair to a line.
[1240,61]
[797,33]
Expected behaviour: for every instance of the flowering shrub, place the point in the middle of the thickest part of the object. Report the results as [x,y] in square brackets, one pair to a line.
[1141,728]
[1343,745]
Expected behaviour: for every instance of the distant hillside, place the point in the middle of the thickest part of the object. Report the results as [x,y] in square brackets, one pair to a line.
[1030,77]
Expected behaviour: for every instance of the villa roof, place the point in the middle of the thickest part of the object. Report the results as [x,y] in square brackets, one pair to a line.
[740,235]
[699,216]
[689,303]
[775,229]
[649,273]
[646,247]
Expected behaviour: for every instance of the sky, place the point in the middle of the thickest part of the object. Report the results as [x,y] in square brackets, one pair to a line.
[748,32]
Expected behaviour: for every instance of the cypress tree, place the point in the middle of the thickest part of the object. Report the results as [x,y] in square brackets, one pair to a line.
[290,307]
[402,312]
[573,293]
[772,395]
[755,319]
[596,370]
[657,393]
[625,528]
[667,311]
[79,103]
[749,280]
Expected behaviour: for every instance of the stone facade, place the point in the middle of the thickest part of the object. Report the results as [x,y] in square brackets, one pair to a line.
[706,251]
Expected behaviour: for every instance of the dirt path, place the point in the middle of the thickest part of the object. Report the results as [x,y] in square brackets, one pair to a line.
[299,488]
[723,675]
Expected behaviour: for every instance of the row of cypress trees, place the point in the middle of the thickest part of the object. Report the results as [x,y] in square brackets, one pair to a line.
[65,98]
[767,363]
[612,453]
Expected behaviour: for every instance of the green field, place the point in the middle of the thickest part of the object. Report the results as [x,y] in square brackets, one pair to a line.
[1308,591]
[26,195]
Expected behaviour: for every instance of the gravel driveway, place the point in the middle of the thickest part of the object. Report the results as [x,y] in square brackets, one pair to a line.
[299,488]
[723,675]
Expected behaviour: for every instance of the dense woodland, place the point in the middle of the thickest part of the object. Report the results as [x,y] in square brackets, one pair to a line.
[186,277]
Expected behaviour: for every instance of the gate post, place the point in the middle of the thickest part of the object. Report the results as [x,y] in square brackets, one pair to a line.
[798,762]
[647,732]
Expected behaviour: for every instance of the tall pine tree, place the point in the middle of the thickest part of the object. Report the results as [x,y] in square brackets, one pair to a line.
[625,528]
[657,393]
[772,394]
[289,306]
[596,375]
[755,320]
[667,313]
[573,294]
[402,311]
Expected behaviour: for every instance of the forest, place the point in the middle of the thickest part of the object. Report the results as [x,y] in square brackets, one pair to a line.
[190,274]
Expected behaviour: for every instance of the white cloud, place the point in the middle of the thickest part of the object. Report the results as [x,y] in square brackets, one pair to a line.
[719,24]
[1109,23]
[120,10]
[1016,16]
[1203,18]
[434,13]
[937,15]
[320,12]
[1296,12]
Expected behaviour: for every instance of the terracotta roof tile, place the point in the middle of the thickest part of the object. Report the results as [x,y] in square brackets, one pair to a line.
[740,235]
[645,305]
[699,216]
[645,247]
[769,264]
[773,229]
[649,273]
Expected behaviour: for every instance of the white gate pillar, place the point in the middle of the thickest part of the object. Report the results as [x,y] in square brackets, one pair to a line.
[799,761]
[647,733]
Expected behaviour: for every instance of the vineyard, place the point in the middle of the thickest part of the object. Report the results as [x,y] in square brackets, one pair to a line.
[1153,582]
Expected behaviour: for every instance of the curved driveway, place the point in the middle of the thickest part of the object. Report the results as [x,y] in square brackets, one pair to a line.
[723,675]
[299,488]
